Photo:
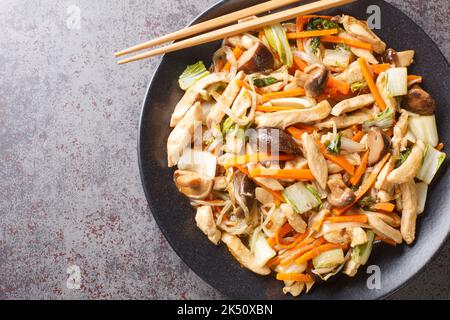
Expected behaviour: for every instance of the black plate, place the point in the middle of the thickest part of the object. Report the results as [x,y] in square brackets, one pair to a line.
[214,264]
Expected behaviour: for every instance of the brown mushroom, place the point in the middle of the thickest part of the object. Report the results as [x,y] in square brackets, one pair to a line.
[256,59]
[419,101]
[389,56]
[315,85]
[398,59]
[277,139]
[193,185]
[378,143]
[243,192]
[340,195]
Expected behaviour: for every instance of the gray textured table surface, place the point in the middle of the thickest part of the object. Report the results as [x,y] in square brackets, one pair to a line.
[70,192]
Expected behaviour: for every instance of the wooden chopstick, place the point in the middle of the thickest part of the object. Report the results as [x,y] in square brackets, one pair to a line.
[240,28]
[208,25]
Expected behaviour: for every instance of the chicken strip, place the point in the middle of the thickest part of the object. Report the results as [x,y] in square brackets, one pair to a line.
[409,211]
[352,104]
[316,161]
[361,31]
[205,222]
[346,121]
[181,136]
[408,170]
[361,53]
[383,229]
[294,219]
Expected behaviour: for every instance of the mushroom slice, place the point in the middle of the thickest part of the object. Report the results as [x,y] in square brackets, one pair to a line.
[257,58]
[419,101]
[315,84]
[243,194]
[316,161]
[182,134]
[341,195]
[294,218]
[361,31]
[243,254]
[378,143]
[383,229]
[193,185]
[275,140]
[283,119]
[192,94]
[352,104]
[346,120]
[216,114]
[205,222]
[409,211]
[408,169]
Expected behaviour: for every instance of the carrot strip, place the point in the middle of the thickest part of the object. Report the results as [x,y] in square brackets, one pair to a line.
[245,85]
[281,232]
[254,158]
[358,136]
[312,16]
[302,247]
[274,108]
[373,88]
[237,52]
[362,218]
[440,146]
[298,130]
[413,77]
[312,33]
[300,63]
[349,42]
[359,172]
[339,160]
[299,238]
[299,277]
[379,68]
[316,251]
[365,187]
[283,94]
[299,23]
[383,206]
[297,174]
[341,86]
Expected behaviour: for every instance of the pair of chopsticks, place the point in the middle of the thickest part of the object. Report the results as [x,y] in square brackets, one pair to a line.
[227,31]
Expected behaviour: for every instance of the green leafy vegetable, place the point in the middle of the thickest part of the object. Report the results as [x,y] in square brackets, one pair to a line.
[366,202]
[316,194]
[355,86]
[334,146]
[314,45]
[321,24]
[277,38]
[383,120]
[402,157]
[227,124]
[192,74]
[263,82]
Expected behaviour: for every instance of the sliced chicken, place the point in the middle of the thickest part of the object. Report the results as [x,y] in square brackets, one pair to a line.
[243,254]
[361,53]
[340,195]
[352,104]
[242,102]
[383,229]
[404,58]
[399,132]
[361,31]
[228,96]
[382,183]
[351,268]
[408,170]
[192,94]
[181,136]
[358,236]
[272,184]
[205,222]
[283,119]
[294,219]
[263,196]
[316,161]
[346,120]
[391,219]
[409,211]
[294,289]
[352,74]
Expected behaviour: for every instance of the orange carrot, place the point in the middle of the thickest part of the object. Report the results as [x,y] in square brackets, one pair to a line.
[379,68]
[245,85]
[413,77]
[440,146]
[341,86]
[281,232]
[362,218]
[312,33]
[299,23]
[298,130]
[383,206]
[298,238]
[283,94]
[300,63]
[366,185]
[312,16]
[237,52]
[254,158]
[304,246]
[373,88]
[349,42]
[358,136]
[274,108]
[359,172]
[338,159]
[299,277]
[316,251]
[296,174]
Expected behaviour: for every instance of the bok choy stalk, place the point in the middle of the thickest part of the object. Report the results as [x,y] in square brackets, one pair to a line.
[329,259]
[192,74]
[300,198]
[421,191]
[383,120]
[262,251]
[432,160]
[277,38]
[361,253]
[396,81]
[424,128]
[334,146]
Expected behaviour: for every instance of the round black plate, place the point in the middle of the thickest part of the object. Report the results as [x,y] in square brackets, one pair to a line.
[214,264]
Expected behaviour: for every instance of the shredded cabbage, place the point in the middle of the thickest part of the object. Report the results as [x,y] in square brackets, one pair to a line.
[431,163]
[424,128]
[300,198]
[277,38]
[192,74]
[329,259]
[396,82]
[383,120]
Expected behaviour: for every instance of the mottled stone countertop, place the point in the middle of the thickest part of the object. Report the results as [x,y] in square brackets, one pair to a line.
[70,192]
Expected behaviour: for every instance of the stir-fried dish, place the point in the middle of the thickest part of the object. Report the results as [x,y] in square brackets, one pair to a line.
[303,145]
